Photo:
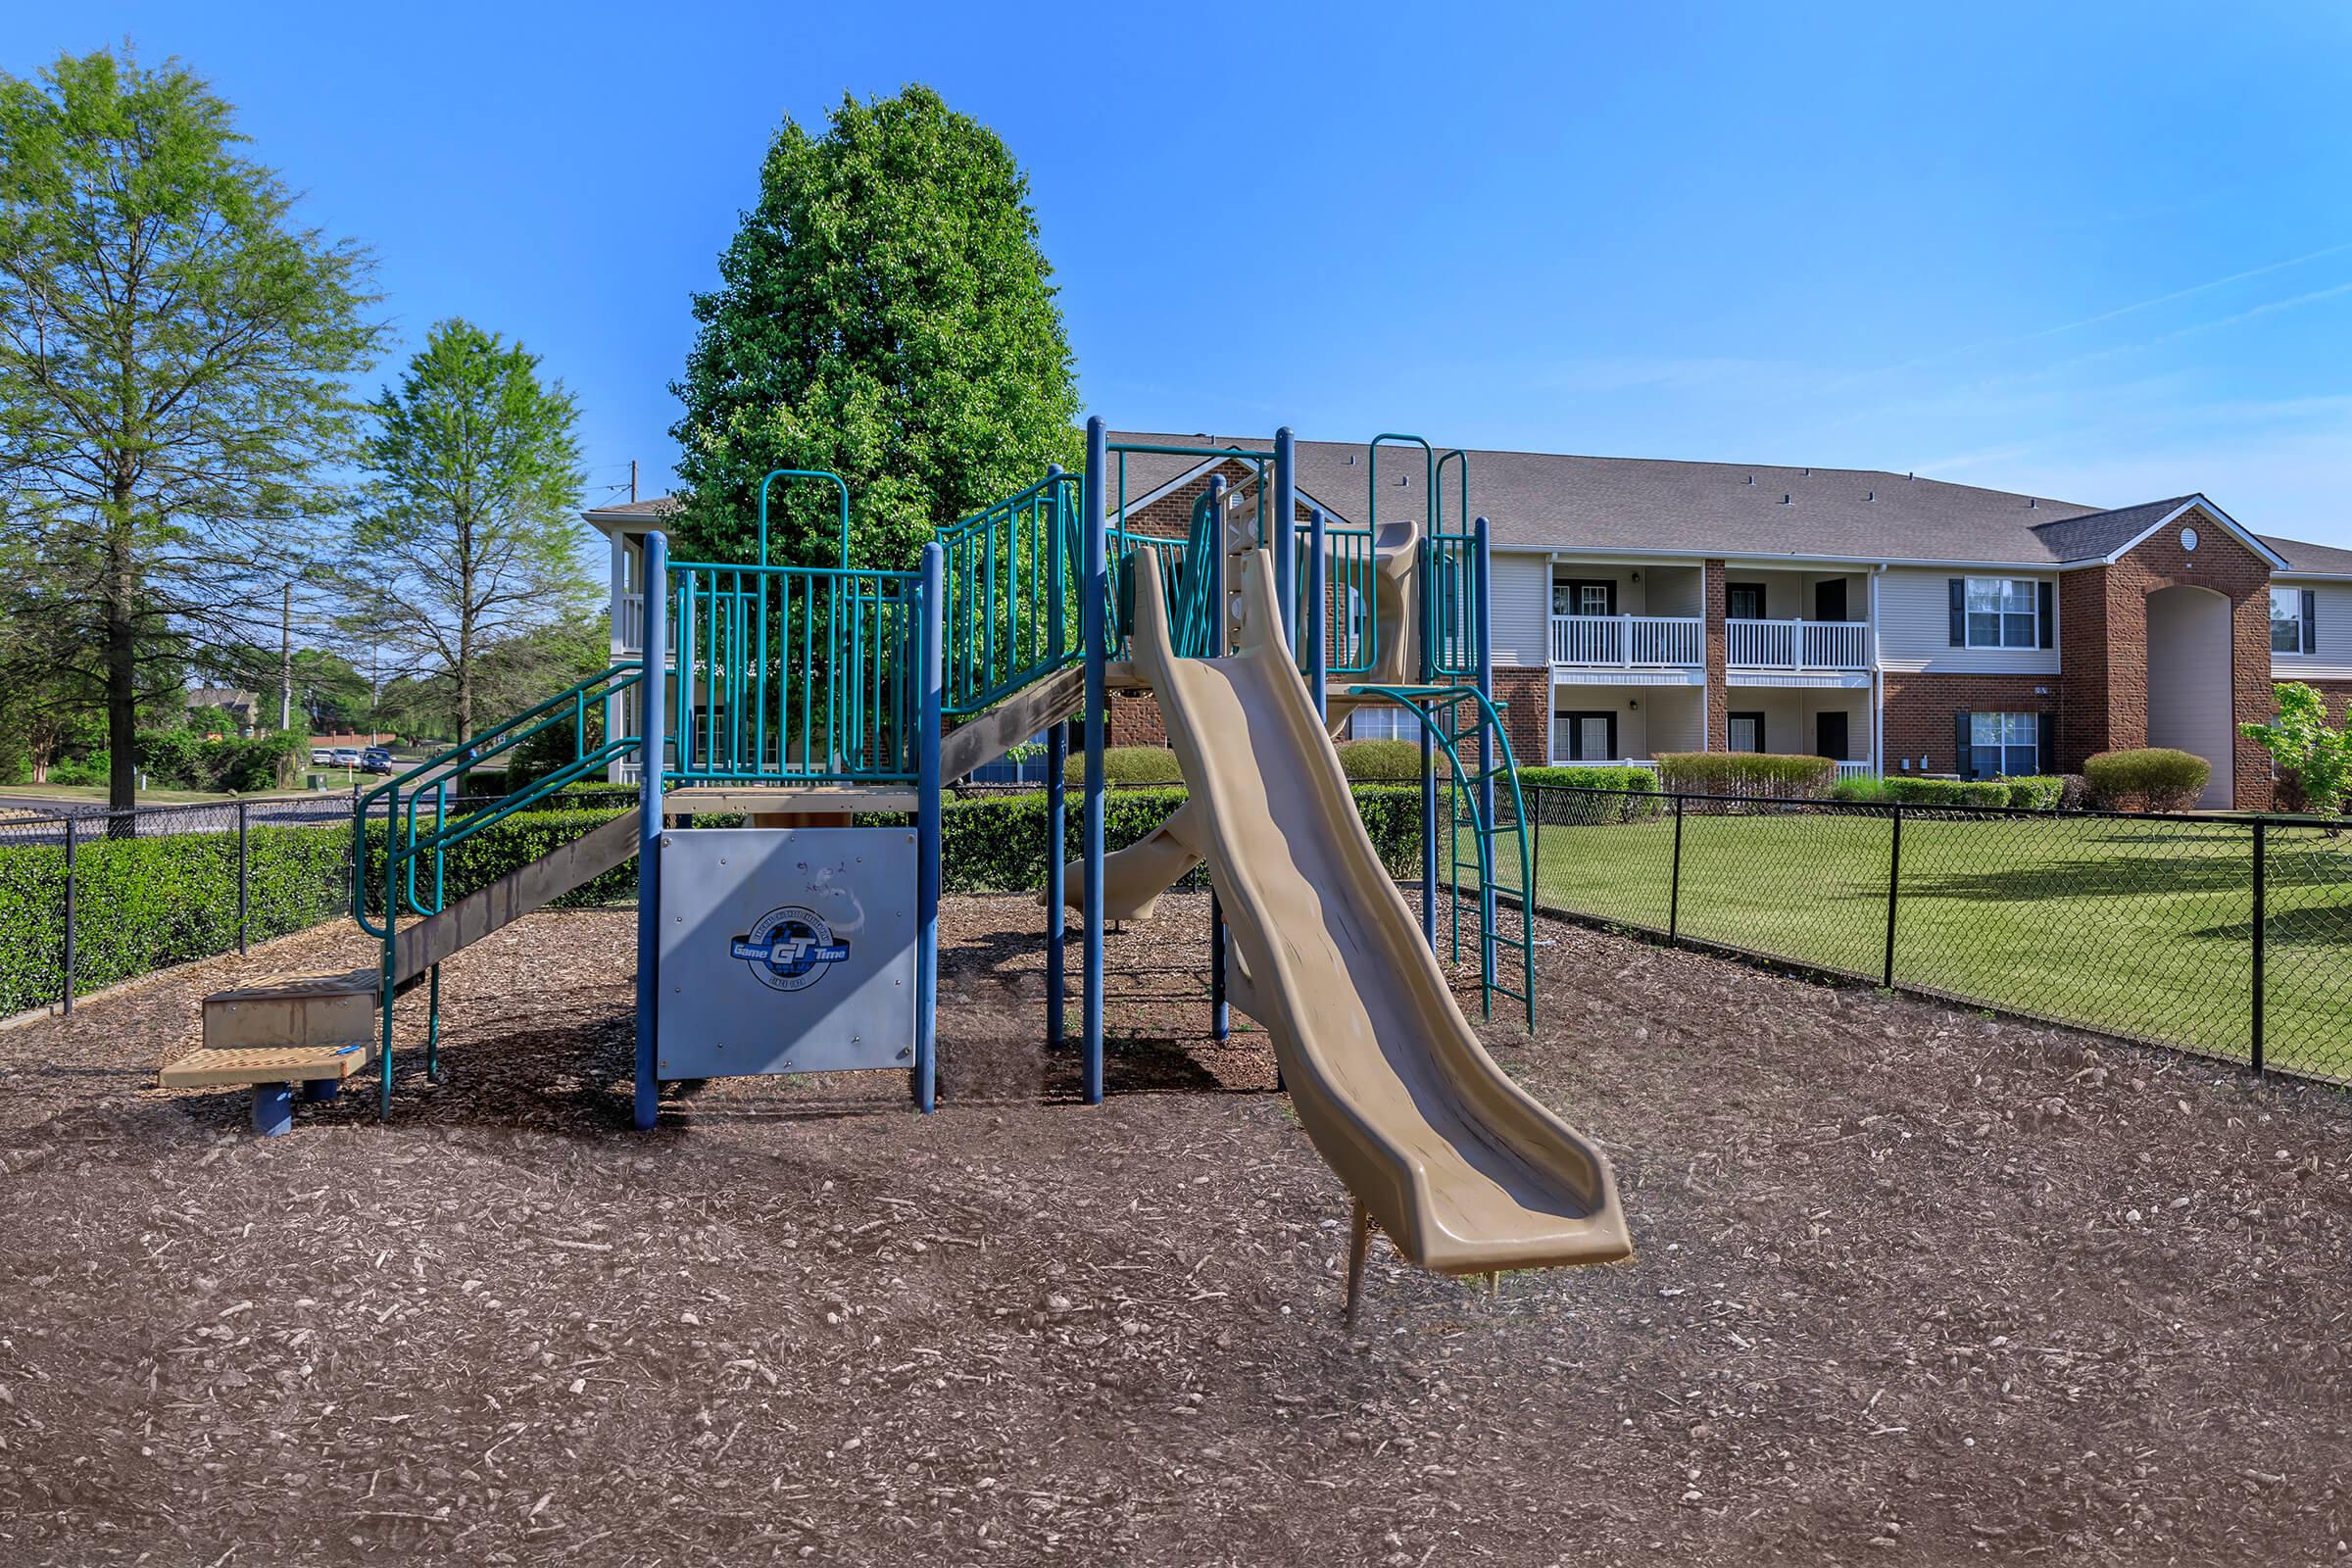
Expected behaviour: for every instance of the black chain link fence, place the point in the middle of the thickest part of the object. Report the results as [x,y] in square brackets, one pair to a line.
[90,897]
[2228,936]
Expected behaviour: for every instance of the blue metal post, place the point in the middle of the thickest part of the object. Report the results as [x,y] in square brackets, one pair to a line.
[1482,612]
[1057,757]
[1286,526]
[272,1110]
[1057,830]
[1094,591]
[653,689]
[317,1089]
[927,829]
[1220,1013]
[1318,656]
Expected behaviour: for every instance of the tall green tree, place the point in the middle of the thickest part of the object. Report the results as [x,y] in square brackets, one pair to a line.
[174,354]
[884,312]
[474,537]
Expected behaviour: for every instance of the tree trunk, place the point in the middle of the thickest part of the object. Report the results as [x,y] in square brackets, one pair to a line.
[121,687]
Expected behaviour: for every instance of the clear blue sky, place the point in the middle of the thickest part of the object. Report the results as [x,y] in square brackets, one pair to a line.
[2101,253]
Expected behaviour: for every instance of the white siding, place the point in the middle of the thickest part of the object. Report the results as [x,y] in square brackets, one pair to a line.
[2332,658]
[1915,628]
[1520,600]
[1789,716]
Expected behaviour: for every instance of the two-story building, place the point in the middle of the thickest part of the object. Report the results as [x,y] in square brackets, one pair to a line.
[1896,624]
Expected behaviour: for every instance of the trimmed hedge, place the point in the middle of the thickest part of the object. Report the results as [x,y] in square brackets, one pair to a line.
[2035,793]
[1378,762]
[2152,779]
[2043,792]
[1746,773]
[1127,767]
[146,903]
[1638,780]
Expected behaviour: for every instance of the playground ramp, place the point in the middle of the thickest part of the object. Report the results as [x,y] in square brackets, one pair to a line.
[1465,1172]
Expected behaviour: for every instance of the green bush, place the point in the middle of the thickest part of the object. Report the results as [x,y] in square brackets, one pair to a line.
[2153,778]
[142,904]
[90,770]
[1129,767]
[1641,780]
[1746,773]
[1863,790]
[1948,791]
[174,757]
[2036,792]
[1378,761]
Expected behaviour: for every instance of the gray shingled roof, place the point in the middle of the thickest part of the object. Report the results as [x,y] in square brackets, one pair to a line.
[1555,502]
[2302,557]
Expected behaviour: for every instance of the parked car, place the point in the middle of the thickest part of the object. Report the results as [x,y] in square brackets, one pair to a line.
[376,759]
[346,756]
[322,756]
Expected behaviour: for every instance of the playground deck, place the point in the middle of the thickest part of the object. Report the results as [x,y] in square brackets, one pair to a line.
[1914,1285]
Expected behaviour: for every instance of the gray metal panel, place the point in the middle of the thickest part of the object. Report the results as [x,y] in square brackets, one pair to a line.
[786,949]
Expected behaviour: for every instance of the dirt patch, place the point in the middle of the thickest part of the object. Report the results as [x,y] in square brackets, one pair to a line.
[1912,1287]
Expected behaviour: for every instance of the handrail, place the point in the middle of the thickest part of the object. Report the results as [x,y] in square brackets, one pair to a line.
[805,473]
[501,738]
[1424,701]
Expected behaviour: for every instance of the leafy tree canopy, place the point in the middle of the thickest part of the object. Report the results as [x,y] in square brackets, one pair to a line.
[473,538]
[884,312]
[175,355]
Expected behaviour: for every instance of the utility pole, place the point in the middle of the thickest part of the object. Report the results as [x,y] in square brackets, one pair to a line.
[632,480]
[285,660]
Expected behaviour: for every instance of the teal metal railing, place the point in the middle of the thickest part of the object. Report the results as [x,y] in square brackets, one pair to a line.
[791,675]
[1011,573]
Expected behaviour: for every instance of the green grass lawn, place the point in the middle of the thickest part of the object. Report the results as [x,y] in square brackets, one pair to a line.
[95,794]
[2143,928]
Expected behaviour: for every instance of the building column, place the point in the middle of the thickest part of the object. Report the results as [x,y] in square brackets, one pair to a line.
[1719,690]
[2252,699]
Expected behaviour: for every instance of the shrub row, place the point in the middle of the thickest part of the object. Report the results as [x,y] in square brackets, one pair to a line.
[988,844]
[1756,774]
[142,904]
[183,760]
[1154,767]
[1639,780]
[2041,793]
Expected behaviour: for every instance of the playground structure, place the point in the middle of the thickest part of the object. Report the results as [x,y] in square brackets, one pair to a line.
[805,697]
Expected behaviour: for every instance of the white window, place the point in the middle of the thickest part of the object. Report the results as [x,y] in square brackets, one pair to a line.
[1745,732]
[1384,724]
[2002,742]
[2289,633]
[2001,613]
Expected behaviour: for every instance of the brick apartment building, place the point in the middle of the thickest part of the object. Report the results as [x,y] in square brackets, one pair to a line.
[1893,623]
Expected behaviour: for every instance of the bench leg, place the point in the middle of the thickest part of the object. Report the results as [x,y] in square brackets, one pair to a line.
[319,1089]
[272,1110]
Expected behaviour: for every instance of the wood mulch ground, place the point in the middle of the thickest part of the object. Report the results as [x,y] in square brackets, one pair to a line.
[1913,1286]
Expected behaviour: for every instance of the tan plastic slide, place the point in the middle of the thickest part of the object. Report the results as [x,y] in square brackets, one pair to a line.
[1464,1170]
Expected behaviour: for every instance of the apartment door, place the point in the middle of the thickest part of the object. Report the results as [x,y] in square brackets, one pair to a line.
[1829,604]
[1830,736]
[1591,737]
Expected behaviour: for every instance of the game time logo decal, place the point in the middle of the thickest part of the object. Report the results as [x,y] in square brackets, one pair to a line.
[789,949]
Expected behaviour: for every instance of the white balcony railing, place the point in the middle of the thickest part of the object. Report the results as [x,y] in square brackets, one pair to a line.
[1796,644]
[1861,769]
[629,623]
[1629,642]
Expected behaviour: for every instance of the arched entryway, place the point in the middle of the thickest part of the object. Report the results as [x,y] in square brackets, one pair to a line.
[2188,681]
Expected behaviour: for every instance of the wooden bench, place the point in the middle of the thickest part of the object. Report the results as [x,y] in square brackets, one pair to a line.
[275,1072]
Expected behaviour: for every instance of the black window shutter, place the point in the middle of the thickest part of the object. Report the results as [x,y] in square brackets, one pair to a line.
[2311,621]
[2045,752]
[2049,622]
[1959,586]
[1960,748]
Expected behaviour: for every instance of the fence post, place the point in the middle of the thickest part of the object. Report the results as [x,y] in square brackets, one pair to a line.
[1674,879]
[72,823]
[244,881]
[1894,887]
[2261,955]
